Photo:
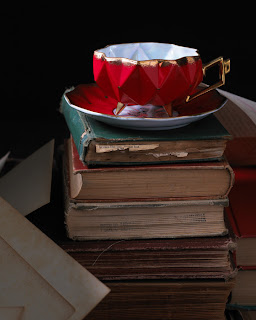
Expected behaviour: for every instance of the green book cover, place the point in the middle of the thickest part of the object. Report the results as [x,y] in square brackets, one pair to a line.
[207,134]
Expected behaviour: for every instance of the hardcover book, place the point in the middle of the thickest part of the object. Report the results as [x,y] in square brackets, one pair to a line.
[151,300]
[88,219]
[244,292]
[241,214]
[197,180]
[239,118]
[101,144]
[188,258]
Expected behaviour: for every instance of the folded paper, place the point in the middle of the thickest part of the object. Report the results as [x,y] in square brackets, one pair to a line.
[27,186]
[248,106]
[38,280]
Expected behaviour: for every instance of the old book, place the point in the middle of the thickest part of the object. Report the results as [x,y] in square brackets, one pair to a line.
[239,118]
[101,144]
[38,280]
[197,180]
[151,218]
[188,258]
[246,314]
[241,213]
[133,220]
[244,292]
[150,300]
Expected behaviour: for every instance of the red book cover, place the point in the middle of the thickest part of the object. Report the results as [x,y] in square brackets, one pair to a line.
[199,180]
[242,211]
[187,258]
[242,216]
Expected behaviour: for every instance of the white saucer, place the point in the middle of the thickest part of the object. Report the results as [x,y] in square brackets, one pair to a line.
[89,99]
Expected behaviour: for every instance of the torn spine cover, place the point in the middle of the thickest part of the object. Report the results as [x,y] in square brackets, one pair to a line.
[81,132]
[100,144]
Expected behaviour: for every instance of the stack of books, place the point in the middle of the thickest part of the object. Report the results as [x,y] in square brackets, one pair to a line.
[239,117]
[241,214]
[147,211]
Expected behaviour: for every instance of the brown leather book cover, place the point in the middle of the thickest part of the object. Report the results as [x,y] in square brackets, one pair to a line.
[151,300]
[155,258]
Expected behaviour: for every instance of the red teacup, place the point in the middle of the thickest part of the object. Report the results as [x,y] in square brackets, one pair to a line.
[152,73]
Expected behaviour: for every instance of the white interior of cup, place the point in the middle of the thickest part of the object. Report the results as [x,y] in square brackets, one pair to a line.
[148,51]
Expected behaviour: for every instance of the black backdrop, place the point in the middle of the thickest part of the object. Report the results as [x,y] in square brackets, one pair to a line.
[46,50]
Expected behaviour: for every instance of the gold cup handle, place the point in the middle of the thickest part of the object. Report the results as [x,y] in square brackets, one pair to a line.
[224,68]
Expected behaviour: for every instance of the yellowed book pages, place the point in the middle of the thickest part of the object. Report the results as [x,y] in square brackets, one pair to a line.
[38,280]
[144,220]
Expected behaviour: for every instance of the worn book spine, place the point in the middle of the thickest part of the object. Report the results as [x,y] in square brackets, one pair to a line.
[109,224]
[186,181]
[156,265]
[148,300]
[81,131]
[100,144]
[223,244]
[125,153]
[142,219]
[155,258]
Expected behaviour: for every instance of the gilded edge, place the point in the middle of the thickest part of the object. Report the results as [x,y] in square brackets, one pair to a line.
[144,63]
[66,100]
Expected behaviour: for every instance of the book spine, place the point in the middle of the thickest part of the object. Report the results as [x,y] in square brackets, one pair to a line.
[232,222]
[81,133]
[232,176]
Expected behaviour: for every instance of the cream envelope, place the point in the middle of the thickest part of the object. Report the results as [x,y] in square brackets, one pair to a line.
[38,280]
[27,186]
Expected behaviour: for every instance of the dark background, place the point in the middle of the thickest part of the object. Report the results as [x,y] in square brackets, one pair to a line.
[46,50]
